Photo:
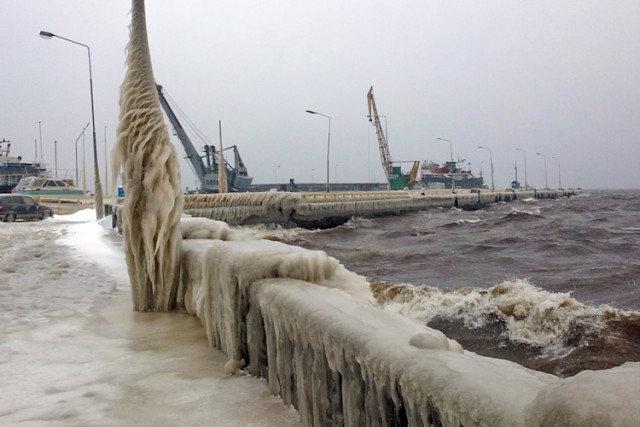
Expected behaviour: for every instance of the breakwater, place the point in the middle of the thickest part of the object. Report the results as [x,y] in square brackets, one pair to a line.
[325,210]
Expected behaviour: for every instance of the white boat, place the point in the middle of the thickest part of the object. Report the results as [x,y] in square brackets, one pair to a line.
[45,186]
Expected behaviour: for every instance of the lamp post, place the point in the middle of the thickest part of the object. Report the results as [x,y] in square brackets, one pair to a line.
[493,187]
[546,185]
[55,156]
[106,165]
[526,184]
[78,139]
[96,172]
[453,184]
[40,129]
[328,144]
[559,180]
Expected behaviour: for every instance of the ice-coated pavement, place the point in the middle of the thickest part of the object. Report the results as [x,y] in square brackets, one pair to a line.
[73,352]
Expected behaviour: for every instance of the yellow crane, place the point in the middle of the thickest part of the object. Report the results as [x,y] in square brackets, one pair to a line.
[385,156]
[394,176]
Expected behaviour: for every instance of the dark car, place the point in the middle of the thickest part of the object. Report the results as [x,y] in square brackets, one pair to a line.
[17,206]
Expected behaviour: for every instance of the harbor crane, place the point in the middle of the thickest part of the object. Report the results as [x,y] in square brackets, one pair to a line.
[385,156]
[395,178]
[208,175]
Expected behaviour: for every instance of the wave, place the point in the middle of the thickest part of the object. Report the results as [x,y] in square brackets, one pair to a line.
[631,230]
[460,222]
[272,232]
[523,213]
[529,315]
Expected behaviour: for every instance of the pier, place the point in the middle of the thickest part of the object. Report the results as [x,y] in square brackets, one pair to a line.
[325,210]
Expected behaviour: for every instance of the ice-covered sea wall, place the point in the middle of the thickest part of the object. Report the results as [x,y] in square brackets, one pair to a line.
[310,327]
[320,210]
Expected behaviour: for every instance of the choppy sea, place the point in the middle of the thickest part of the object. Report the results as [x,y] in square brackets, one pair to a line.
[551,284]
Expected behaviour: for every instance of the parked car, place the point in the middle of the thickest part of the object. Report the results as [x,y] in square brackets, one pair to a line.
[18,206]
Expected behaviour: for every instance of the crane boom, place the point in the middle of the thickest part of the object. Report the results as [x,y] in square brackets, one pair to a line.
[208,174]
[196,161]
[385,156]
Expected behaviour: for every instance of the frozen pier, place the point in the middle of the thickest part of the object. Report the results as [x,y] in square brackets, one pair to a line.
[312,329]
[324,210]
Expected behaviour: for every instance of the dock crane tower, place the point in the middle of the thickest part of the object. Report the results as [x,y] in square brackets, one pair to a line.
[395,178]
[385,156]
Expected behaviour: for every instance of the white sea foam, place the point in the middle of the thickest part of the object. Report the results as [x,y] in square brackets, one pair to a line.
[468,221]
[516,212]
[530,314]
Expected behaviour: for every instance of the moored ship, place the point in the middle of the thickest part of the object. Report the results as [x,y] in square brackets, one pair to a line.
[13,169]
[436,176]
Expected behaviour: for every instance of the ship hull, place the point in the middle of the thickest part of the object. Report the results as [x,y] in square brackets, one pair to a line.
[444,183]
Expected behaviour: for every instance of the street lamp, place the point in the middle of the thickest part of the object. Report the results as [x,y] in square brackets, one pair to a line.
[526,185]
[328,144]
[559,180]
[493,187]
[40,128]
[546,185]
[453,184]
[78,139]
[98,186]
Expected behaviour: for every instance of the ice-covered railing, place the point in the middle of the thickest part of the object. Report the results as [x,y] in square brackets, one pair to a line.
[310,327]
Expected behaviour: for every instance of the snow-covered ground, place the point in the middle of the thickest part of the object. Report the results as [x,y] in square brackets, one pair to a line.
[73,352]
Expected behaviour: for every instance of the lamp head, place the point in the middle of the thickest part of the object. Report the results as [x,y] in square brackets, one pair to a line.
[46,34]
[311,112]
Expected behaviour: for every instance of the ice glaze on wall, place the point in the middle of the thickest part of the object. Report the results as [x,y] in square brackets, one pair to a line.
[310,327]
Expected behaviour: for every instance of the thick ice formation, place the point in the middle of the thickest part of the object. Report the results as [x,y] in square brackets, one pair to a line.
[591,398]
[308,325]
[146,160]
[202,228]
[300,319]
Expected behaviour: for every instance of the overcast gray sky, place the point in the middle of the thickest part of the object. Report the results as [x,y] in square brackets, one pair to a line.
[557,77]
